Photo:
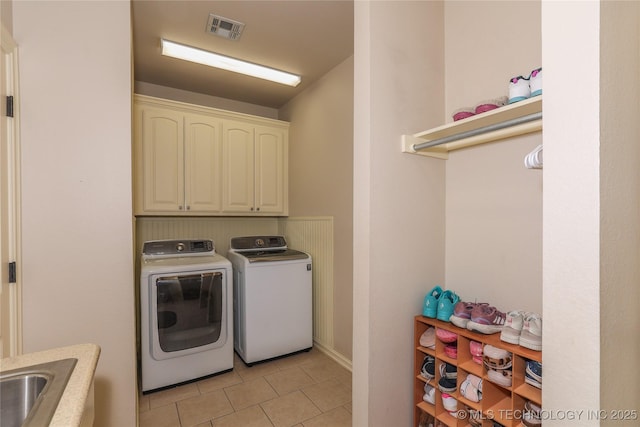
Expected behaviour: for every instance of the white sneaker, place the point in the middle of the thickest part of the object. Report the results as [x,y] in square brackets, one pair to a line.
[450,403]
[429,394]
[519,89]
[531,336]
[513,327]
[535,82]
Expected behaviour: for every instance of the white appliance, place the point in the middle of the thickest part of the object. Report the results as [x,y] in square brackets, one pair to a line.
[272,298]
[186,323]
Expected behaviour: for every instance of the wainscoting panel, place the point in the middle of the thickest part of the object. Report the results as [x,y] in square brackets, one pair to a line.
[220,230]
[314,235]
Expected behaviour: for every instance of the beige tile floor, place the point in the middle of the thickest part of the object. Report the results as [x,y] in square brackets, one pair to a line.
[302,390]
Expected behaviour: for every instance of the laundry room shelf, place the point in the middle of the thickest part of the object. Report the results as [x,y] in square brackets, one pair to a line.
[511,120]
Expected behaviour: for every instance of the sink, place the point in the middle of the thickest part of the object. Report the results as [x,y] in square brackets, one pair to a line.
[29,396]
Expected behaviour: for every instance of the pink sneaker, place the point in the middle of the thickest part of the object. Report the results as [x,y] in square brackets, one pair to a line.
[486,320]
[451,351]
[462,313]
[475,348]
[445,336]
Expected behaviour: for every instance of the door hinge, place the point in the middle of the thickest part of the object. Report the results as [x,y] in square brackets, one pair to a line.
[12,272]
[10,106]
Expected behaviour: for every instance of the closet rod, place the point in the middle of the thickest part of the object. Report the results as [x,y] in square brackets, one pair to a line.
[479,131]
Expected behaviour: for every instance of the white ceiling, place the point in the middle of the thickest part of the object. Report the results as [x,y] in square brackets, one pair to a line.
[306,37]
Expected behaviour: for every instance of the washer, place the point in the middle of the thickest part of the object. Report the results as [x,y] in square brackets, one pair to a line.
[186,323]
[272,298]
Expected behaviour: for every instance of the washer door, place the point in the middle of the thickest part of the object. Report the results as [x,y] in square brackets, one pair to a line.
[188,313]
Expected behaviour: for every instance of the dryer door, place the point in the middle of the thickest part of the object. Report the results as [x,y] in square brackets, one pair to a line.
[188,313]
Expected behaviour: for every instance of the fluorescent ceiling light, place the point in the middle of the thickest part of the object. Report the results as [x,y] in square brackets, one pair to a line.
[211,59]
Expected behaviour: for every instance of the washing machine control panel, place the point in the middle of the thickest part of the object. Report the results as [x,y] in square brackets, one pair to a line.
[178,247]
[258,242]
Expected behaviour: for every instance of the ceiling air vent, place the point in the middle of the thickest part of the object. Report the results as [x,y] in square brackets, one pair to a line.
[224,27]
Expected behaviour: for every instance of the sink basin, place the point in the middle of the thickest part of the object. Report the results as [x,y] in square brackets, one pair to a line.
[29,396]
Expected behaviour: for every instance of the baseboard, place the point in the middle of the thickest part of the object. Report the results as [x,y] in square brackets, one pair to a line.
[339,358]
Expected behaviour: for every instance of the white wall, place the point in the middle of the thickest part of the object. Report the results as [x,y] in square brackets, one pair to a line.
[571,50]
[321,179]
[75,78]
[398,199]
[149,89]
[591,199]
[620,206]
[494,204]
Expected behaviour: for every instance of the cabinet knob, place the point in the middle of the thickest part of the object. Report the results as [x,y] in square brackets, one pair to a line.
[257,209]
[188,207]
[180,207]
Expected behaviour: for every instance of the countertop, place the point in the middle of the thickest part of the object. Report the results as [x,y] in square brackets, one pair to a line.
[72,404]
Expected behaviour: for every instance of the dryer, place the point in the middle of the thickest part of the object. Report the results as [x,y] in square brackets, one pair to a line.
[273,309]
[186,323]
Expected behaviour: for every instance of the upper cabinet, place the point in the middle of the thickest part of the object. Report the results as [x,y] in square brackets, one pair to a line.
[255,169]
[192,160]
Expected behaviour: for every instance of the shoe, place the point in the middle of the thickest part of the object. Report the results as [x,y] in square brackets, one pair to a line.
[428,338]
[502,377]
[428,369]
[463,113]
[531,336]
[531,414]
[475,381]
[449,403]
[486,320]
[475,348]
[533,373]
[469,392]
[512,327]
[469,388]
[534,370]
[429,394]
[430,307]
[496,358]
[447,302]
[448,371]
[462,313]
[447,385]
[446,337]
[426,420]
[519,89]
[535,82]
[491,104]
[451,350]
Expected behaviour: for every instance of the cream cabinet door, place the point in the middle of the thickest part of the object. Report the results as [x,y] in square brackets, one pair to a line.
[161,153]
[238,168]
[270,170]
[203,164]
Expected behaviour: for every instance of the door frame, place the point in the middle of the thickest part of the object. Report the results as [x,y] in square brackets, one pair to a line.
[10,215]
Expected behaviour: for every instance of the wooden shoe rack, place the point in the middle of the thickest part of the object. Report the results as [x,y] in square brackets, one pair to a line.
[502,404]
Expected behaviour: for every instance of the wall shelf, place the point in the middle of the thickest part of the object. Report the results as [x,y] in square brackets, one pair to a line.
[511,120]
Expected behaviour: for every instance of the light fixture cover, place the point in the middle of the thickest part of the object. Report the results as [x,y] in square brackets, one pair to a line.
[188,53]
